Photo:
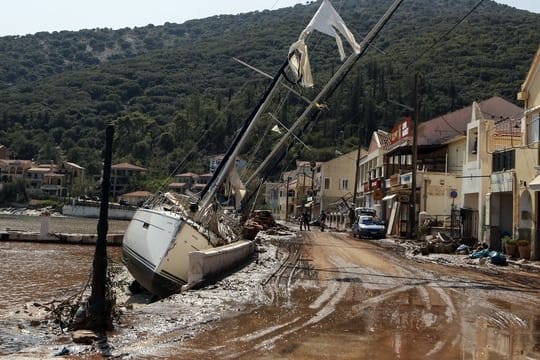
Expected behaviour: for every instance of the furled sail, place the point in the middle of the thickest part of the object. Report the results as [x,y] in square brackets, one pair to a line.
[237,187]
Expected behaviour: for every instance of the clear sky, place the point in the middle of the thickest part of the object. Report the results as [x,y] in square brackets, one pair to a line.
[21,17]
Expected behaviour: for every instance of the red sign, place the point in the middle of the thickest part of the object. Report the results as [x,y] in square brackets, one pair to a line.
[401,130]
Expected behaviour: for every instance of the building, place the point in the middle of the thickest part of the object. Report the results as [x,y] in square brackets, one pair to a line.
[371,173]
[287,196]
[337,180]
[442,143]
[530,95]
[135,198]
[122,175]
[13,170]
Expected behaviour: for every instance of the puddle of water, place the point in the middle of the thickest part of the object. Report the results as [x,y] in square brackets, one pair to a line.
[403,325]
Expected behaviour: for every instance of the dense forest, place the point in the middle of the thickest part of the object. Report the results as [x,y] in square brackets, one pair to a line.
[175,93]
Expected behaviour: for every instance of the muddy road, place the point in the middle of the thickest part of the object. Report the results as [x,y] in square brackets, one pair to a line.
[337,297]
[319,296]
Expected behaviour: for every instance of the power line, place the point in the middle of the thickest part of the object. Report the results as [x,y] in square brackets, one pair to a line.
[436,42]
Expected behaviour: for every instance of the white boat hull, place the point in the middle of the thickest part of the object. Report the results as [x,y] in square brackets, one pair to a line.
[156,249]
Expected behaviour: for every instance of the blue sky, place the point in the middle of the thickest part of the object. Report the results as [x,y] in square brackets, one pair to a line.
[21,17]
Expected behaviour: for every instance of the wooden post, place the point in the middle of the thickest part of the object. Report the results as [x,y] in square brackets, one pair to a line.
[287,200]
[99,309]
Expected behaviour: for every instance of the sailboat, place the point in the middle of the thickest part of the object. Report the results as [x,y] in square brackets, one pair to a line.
[164,234]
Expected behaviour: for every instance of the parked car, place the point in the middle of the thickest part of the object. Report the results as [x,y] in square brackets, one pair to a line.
[366,227]
[365,211]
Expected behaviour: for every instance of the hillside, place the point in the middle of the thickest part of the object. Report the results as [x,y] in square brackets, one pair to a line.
[164,86]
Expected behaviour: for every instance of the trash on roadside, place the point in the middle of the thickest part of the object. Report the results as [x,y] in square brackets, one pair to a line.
[463,249]
[497,258]
[480,254]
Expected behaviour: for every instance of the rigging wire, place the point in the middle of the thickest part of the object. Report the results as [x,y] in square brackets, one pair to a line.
[202,137]
[437,42]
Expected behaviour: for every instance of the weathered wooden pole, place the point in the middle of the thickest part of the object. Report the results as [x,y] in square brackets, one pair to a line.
[99,311]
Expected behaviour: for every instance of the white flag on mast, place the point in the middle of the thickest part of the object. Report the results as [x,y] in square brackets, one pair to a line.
[327,21]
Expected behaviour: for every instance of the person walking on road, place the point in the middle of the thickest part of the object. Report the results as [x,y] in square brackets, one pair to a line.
[322,219]
[305,220]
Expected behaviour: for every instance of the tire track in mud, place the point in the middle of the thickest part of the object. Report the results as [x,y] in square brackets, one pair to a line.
[492,290]
[414,298]
[325,304]
[422,282]
[336,290]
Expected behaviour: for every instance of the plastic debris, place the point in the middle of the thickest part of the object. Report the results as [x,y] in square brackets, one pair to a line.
[497,258]
[63,351]
[480,254]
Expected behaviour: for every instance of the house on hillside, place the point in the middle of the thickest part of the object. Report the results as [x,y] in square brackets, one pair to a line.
[52,179]
[122,175]
[215,160]
[13,170]
[35,177]
[4,152]
[135,198]
[184,182]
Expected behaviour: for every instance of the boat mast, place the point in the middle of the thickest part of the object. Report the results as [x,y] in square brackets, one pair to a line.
[329,87]
[230,156]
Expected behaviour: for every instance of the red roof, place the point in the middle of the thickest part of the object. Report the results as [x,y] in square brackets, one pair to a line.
[139,193]
[127,166]
[188,174]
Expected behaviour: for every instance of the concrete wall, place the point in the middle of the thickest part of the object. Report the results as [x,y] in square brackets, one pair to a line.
[204,265]
[93,212]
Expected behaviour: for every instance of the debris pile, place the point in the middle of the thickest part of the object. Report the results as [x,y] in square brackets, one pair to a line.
[259,220]
[441,244]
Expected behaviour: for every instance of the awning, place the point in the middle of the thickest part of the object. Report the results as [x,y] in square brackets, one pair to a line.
[308,204]
[535,184]
[389,197]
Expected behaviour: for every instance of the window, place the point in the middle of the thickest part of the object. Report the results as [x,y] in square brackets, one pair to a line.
[533,129]
[504,160]
[344,184]
[326,183]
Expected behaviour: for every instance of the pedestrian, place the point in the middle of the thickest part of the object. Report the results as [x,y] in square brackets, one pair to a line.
[322,219]
[305,220]
[301,220]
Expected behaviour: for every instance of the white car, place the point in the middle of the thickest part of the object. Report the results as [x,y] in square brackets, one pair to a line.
[366,227]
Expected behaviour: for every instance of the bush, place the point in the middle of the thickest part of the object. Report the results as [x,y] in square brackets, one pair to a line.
[509,240]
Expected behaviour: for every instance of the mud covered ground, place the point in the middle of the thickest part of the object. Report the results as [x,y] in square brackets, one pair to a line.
[315,295]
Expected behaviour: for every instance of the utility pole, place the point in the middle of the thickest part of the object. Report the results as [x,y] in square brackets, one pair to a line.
[352,215]
[313,165]
[287,200]
[412,201]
